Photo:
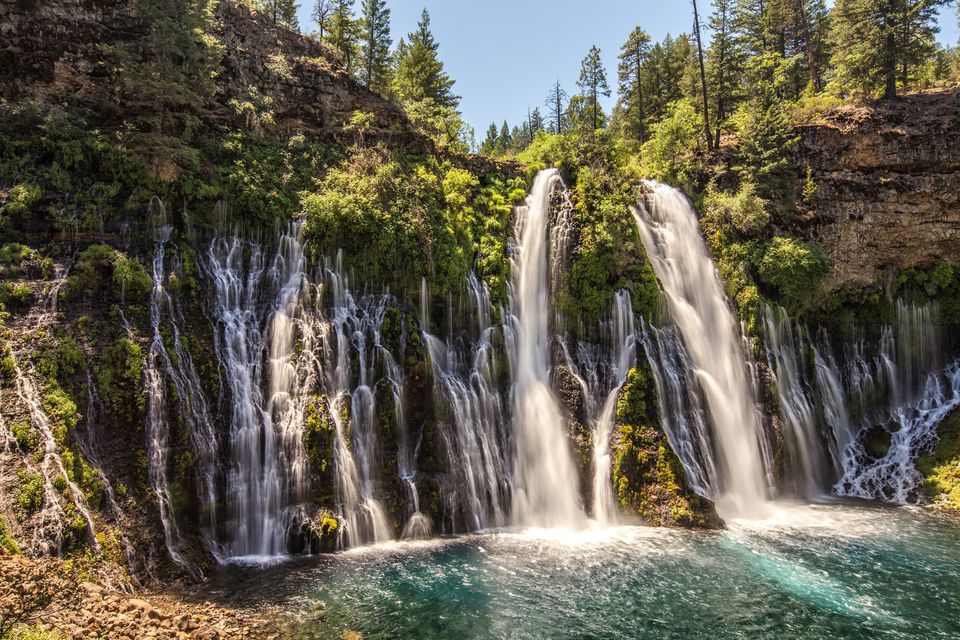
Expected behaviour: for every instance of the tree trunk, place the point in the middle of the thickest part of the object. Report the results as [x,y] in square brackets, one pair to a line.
[643,130]
[808,45]
[703,77]
[890,66]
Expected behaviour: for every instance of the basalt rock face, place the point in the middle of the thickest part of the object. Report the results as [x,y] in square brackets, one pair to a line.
[54,51]
[888,186]
[311,91]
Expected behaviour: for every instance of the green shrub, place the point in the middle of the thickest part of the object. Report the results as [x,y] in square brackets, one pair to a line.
[27,439]
[744,211]
[671,153]
[7,544]
[20,198]
[29,493]
[796,268]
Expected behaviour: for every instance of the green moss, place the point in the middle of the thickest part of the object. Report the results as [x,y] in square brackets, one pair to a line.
[27,439]
[648,479]
[8,545]
[29,492]
[941,469]
[19,199]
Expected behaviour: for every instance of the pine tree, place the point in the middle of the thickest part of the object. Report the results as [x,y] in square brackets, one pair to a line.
[663,75]
[376,44]
[489,146]
[420,74]
[877,42]
[703,76]
[343,32]
[536,121]
[633,54]
[163,79]
[556,106]
[504,139]
[723,61]
[593,83]
[322,12]
[283,13]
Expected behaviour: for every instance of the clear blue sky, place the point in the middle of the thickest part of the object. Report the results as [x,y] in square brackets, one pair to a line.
[505,54]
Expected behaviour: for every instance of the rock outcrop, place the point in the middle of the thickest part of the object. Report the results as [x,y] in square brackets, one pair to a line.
[887,186]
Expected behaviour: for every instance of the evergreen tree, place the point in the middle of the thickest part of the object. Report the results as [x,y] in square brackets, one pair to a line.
[489,145]
[503,141]
[536,121]
[283,13]
[376,44]
[593,83]
[420,74]
[663,75]
[322,11]
[633,54]
[703,76]
[425,89]
[163,79]
[343,32]
[723,61]
[877,42]
[556,106]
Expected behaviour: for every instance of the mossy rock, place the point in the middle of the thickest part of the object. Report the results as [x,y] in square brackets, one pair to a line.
[649,481]
[941,469]
[648,478]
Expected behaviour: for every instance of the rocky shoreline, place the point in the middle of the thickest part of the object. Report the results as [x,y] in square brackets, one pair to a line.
[61,600]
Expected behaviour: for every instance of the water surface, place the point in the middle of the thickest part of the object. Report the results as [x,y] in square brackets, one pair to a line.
[829,571]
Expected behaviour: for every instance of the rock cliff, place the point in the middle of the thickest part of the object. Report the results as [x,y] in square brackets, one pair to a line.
[888,186]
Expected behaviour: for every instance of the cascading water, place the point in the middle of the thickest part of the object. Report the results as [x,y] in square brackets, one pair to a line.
[268,385]
[670,233]
[471,421]
[680,406]
[622,358]
[546,481]
[157,427]
[354,329]
[797,407]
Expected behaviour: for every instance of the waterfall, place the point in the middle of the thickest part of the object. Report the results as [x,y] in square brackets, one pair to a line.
[259,308]
[622,357]
[157,427]
[471,419]
[786,353]
[680,406]
[546,481]
[670,233]
[353,329]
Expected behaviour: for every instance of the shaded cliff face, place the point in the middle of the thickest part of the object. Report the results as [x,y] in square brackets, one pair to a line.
[54,51]
[888,186]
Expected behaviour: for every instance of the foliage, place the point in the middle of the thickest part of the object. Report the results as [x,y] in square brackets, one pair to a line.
[423,86]
[795,268]
[29,493]
[162,79]
[633,54]
[375,43]
[8,545]
[388,212]
[880,44]
[19,199]
[671,153]
[941,467]
[593,84]
[745,211]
